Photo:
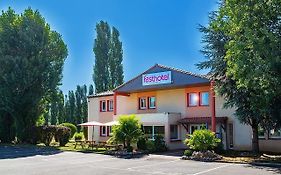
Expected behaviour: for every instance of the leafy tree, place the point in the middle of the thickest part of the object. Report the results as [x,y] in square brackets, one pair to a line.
[31,63]
[115,60]
[108,69]
[101,50]
[84,103]
[71,107]
[78,109]
[128,131]
[242,44]
[91,90]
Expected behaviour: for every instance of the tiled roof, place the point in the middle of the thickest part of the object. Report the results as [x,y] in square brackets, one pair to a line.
[180,78]
[101,94]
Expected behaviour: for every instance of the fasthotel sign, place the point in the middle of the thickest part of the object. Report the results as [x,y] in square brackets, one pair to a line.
[157,78]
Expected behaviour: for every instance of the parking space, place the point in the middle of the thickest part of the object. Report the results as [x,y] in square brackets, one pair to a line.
[88,163]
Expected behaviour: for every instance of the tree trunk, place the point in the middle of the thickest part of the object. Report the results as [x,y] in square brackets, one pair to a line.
[255,137]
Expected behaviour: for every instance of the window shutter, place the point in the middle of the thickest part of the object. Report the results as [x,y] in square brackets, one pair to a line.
[187,98]
[100,106]
[107,105]
[139,103]
[199,98]
[100,130]
[107,131]
[148,102]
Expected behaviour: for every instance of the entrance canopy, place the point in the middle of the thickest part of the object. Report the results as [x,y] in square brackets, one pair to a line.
[199,120]
[111,123]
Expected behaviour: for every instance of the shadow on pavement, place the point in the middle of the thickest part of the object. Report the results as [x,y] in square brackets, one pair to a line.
[271,167]
[172,153]
[19,151]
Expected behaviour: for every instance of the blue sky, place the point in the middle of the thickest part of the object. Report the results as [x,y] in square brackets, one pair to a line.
[152,31]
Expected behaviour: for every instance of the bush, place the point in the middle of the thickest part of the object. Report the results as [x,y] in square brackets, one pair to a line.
[188,152]
[47,134]
[202,140]
[150,146]
[78,136]
[128,132]
[159,143]
[72,127]
[141,144]
[63,134]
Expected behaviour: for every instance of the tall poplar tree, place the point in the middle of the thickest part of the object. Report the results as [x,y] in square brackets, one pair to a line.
[108,68]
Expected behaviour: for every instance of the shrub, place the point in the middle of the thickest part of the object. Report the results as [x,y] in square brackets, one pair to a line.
[141,144]
[78,136]
[188,152]
[63,134]
[47,134]
[128,131]
[159,143]
[150,146]
[202,140]
[72,127]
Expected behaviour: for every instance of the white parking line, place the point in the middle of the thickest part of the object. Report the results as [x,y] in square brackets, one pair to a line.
[212,169]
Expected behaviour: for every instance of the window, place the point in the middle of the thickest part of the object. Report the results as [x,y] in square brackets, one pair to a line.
[204,98]
[142,103]
[110,105]
[196,127]
[174,132]
[103,131]
[193,99]
[275,133]
[103,106]
[151,131]
[109,131]
[151,102]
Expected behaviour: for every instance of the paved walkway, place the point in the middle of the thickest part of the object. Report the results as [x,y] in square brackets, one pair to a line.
[29,161]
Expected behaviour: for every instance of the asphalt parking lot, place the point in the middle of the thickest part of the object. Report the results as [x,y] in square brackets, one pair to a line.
[29,161]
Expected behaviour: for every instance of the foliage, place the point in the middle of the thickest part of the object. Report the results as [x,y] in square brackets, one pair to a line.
[242,44]
[128,131]
[108,69]
[47,134]
[31,63]
[62,133]
[188,152]
[78,136]
[141,143]
[159,143]
[202,140]
[7,128]
[72,128]
[91,90]
[150,146]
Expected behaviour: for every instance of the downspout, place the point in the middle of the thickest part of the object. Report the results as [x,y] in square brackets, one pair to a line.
[115,103]
[213,107]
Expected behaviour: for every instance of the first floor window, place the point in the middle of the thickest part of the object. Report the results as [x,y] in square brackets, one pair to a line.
[197,127]
[103,106]
[193,99]
[142,103]
[204,96]
[103,131]
[110,105]
[275,133]
[174,132]
[151,131]
[109,131]
[151,102]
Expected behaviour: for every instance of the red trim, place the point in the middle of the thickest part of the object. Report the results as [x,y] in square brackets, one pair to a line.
[199,98]
[107,105]
[100,130]
[213,107]
[187,99]
[115,103]
[100,106]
